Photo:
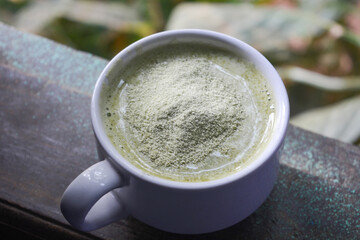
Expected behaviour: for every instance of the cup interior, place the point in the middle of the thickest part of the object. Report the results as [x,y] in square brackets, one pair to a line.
[202,37]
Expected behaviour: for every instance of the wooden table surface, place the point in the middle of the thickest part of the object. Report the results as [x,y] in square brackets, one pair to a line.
[46,140]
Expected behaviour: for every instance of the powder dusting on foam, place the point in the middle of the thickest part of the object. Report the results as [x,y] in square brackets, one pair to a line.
[189,114]
[183,110]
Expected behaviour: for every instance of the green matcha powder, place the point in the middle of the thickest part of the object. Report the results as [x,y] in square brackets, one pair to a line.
[187,113]
[182,111]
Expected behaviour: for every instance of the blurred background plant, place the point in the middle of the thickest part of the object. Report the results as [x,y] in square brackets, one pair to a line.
[315,45]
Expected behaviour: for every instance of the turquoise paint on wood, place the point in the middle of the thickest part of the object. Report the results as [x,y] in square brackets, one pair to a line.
[48,61]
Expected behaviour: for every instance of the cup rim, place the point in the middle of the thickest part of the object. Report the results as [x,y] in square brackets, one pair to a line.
[280,127]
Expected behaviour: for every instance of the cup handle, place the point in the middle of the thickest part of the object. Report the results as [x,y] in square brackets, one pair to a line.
[88,204]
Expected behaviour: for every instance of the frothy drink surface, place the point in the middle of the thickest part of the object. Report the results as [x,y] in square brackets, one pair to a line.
[189,112]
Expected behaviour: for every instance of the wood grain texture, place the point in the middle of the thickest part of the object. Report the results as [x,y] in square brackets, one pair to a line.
[46,140]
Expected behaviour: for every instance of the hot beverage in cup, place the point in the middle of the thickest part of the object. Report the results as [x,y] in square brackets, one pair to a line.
[189,126]
[189,112]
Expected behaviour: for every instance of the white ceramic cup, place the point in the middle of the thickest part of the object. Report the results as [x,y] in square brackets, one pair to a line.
[113,188]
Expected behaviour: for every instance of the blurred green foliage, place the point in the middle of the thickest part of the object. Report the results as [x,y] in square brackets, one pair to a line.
[91,38]
[12,6]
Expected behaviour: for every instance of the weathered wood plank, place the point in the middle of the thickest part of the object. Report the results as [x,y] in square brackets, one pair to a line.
[28,225]
[46,141]
[45,60]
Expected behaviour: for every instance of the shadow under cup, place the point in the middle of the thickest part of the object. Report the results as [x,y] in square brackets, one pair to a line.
[196,207]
